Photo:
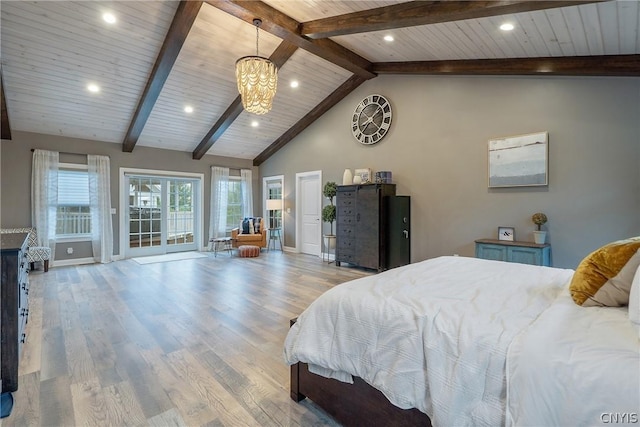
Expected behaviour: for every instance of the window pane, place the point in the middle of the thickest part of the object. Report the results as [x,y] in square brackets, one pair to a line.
[73,187]
[234,204]
[73,212]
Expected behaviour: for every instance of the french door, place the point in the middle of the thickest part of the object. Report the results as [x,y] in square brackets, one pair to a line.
[162,215]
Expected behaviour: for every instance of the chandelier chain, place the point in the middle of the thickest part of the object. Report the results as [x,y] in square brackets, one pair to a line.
[257,36]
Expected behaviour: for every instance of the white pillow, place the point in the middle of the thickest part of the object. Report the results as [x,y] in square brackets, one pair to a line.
[634,301]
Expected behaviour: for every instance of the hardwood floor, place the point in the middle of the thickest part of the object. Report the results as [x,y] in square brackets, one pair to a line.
[184,343]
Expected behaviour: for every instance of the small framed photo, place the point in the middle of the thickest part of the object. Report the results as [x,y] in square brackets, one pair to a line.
[507,233]
[364,174]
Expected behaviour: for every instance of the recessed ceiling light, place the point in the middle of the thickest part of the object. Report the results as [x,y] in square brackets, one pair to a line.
[388,38]
[255,124]
[294,83]
[109,18]
[188,109]
[507,26]
[93,88]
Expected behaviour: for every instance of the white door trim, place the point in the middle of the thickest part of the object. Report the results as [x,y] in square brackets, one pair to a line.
[299,177]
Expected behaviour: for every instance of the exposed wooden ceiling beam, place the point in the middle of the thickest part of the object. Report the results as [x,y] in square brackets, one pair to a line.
[283,52]
[287,28]
[609,65]
[336,96]
[177,34]
[415,13]
[4,117]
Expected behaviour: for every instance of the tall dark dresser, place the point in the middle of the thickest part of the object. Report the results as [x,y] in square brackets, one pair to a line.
[373,226]
[14,307]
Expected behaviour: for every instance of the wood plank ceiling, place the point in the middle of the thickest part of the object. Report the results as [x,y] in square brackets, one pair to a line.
[161,56]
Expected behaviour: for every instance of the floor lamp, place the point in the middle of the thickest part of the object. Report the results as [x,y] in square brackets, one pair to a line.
[273,205]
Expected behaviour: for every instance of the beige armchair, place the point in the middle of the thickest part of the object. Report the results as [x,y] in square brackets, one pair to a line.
[257,239]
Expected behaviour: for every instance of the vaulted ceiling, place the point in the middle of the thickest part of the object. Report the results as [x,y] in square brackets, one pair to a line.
[160,56]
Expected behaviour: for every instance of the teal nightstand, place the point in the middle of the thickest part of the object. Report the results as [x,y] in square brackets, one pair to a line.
[522,252]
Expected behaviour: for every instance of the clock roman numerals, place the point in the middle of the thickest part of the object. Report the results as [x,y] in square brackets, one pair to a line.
[371,119]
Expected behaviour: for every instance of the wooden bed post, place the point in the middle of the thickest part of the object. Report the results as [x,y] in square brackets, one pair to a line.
[295,376]
[295,384]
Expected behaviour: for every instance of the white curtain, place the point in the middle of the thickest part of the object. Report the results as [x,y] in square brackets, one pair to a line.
[219,201]
[100,205]
[247,192]
[44,197]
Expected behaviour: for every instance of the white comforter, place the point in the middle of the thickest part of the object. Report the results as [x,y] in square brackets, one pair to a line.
[432,335]
[575,366]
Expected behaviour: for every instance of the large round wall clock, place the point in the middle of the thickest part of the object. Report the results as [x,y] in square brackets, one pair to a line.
[371,119]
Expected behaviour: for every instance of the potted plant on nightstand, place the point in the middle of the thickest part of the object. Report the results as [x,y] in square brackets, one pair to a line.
[539,219]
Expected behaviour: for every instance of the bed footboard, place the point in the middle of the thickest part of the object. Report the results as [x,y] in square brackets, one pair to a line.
[354,404]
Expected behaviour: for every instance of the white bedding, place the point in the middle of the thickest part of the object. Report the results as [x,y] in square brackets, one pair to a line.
[575,366]
[432,335]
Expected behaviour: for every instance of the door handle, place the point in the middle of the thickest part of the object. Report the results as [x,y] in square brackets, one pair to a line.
[406,234]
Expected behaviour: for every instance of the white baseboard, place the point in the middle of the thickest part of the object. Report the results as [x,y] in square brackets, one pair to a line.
[72,261]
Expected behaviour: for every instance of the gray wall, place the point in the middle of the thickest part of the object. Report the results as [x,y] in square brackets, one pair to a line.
[437,151]
[15,208]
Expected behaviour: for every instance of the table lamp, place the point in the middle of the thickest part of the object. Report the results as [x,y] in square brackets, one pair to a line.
[273,205]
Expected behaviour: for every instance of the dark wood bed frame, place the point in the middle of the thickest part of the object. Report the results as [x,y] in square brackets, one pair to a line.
[354,404]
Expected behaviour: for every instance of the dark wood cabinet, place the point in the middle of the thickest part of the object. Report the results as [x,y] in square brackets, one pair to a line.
[364,233]
[14,305]
[398,211]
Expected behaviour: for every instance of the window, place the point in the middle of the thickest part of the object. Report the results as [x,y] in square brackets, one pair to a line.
[234,203]
[73,213]
[274,190]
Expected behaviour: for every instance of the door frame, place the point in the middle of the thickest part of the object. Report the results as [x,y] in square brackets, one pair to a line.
[123,202]
[299,177]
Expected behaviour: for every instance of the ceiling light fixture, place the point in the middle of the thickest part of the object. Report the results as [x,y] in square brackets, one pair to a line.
[255,124]
[257,79]
[188,109]
[109,18]
[507,27]
[93,88]
[294,84]
[388,38]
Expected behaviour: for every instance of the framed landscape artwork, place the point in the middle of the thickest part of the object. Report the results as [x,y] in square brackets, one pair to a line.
[517,161]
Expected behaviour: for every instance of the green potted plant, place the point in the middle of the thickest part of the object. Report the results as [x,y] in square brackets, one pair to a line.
[329,212]
[539,219]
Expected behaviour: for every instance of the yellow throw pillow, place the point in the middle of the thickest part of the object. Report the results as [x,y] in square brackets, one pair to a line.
[604,277]
[634,302]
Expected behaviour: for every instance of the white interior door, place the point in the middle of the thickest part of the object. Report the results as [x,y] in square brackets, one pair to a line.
[309,208]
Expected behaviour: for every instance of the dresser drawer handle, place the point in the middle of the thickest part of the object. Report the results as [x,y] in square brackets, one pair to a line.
[23,338]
